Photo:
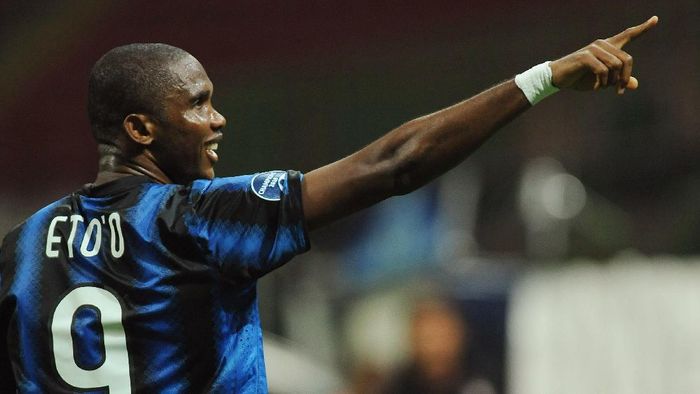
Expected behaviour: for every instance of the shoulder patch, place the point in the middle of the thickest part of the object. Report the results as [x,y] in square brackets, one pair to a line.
[269,185]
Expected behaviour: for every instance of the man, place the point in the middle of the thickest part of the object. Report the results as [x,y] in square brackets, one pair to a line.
[439,342]
[145,280]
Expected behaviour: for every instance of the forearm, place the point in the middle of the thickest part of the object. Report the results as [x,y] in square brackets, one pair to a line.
[424,148]
[411,155]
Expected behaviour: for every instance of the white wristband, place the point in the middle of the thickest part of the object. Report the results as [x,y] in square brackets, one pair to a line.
[536,83]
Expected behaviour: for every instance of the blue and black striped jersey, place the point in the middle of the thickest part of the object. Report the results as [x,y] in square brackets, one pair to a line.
[135,286]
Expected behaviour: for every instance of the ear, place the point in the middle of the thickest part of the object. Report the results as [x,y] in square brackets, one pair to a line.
[140,128]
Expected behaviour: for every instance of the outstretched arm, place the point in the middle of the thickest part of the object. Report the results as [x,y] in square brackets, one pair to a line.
[420,150]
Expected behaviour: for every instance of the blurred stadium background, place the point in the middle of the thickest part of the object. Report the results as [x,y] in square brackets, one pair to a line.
[569,242]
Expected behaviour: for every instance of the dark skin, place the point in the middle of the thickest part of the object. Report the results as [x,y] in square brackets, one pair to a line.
[175,150]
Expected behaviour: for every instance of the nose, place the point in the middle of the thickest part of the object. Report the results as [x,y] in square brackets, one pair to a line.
[218,121]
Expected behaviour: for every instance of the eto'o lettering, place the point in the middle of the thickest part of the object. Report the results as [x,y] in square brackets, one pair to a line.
[92,240]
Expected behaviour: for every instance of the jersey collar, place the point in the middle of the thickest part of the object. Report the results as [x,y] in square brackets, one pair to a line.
[114,187]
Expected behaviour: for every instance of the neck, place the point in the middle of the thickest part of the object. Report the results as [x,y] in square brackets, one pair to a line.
[114,166]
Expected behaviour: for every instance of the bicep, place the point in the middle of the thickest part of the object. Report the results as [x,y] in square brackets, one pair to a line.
[344,187]
[382,169]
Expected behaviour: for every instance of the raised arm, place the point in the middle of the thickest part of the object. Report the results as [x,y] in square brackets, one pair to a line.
[422,149]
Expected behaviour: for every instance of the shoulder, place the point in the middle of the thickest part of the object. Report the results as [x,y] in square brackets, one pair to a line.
[40,215]
[31,226]
[268,185]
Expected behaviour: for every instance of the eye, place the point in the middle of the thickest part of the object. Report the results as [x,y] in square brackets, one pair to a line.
[200,100]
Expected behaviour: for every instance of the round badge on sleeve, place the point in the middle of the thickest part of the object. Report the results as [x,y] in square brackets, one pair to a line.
[269,185]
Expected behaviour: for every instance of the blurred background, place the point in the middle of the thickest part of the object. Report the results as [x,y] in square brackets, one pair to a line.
[560,258]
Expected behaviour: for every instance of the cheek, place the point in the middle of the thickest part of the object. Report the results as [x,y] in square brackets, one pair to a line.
[180,151]
[181,145]
[196,118]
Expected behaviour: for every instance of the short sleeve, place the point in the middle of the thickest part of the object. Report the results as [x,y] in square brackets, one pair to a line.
[248,225]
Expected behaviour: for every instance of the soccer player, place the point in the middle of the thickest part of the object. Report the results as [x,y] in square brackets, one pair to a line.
[144,281]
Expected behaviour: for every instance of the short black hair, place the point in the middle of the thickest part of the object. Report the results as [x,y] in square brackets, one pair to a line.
[129,79]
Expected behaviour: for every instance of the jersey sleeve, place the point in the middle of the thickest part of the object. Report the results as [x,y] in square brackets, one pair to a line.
[248,225]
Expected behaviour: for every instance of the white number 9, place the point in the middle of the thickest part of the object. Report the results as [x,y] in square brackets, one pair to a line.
[114,372]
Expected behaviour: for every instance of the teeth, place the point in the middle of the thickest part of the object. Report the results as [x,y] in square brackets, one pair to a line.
[213,146]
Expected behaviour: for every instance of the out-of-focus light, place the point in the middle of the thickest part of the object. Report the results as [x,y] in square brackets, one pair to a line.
[549,194]
[563,195]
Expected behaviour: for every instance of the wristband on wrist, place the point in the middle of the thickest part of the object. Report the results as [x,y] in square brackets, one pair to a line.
[536,83]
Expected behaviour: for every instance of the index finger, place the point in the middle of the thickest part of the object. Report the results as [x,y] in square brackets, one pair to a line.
[623,38]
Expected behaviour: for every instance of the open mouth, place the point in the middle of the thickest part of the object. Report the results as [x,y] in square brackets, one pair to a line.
[210,150]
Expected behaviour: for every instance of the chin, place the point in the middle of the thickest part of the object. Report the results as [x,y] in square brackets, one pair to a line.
[209,174]
[203,173]
[184,180]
